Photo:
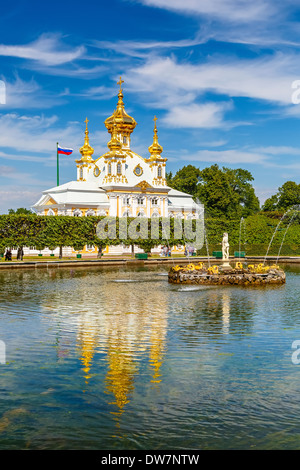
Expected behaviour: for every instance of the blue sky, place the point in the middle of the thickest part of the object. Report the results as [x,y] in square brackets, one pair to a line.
[219,76]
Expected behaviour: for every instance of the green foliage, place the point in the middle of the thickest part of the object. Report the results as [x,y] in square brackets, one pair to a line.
[287,196]
[20,210]
[223,191]
[58,231]
[186,180]
[227,192]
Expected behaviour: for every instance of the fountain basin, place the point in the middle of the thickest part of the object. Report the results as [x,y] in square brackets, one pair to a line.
[228,276]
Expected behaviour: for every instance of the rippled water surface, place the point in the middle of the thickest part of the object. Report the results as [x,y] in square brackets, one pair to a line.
[117,358]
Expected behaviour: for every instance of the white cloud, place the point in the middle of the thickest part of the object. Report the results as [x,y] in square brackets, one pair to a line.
[269,79]
[209,115]
[230,156]
[23,134]
[230,10]
[21,94]
[48,49]
[14,196]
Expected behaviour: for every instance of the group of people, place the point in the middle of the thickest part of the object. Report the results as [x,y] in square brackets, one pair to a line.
[189,251]
[20,254]
[165,251]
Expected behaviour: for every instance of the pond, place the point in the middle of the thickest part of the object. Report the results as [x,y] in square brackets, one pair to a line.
[116,358]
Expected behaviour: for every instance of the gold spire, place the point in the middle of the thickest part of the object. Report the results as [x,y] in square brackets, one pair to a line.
[86,150]
[155,149]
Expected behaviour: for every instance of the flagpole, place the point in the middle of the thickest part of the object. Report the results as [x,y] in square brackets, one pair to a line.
[57,164]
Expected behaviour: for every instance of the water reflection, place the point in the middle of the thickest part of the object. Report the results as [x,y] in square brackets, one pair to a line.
[225,311]
[123,326]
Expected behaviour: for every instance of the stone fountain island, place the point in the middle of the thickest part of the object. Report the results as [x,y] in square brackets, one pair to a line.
[225,274]
[241,275]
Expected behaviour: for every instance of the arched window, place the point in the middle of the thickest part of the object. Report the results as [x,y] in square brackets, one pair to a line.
[140,201]
[119,169]
[126,214]
[102,213]
[159,171]
[109,169]
[81,173]
[90,212]
[77,213]
[50,212]
[124,140]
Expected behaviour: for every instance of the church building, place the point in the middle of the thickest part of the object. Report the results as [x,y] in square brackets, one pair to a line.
[120,182]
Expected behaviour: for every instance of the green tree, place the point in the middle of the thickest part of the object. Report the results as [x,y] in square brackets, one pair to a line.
[20,210]
[186,179]
[287,196]
[227,192]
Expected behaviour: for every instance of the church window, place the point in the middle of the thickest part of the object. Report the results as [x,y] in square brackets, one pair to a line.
[138,171]
[124,140]
[126,201]
[159,171]
[140,201]
[96,171]
[81,173]
[154,201]
[109,169]
[90,212]
[77,213]
[119,169]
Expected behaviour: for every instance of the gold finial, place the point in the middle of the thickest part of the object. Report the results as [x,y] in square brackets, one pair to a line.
[86,150]
[120,83]
[155,149]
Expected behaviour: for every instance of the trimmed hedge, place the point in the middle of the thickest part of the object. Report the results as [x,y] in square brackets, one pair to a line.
[252,234]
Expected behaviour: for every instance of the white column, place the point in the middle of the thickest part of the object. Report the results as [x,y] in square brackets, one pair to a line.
[113,205]
[148,206]
[161,200]
[134,204]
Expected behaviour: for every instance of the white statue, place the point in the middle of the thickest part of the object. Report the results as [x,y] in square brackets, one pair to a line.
[225,246]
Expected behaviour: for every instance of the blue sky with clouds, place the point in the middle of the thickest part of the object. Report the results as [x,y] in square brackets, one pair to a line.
[218,74]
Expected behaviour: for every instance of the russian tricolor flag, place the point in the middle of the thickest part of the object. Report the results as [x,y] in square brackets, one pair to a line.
[64,151]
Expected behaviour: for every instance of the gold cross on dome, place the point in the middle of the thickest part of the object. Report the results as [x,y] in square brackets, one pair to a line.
[155,119]
[120,82]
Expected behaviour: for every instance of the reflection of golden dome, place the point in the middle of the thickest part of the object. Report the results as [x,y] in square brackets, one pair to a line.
[86,150]
[125,123]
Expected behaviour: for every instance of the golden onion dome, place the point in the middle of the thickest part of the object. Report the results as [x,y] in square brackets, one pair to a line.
[123,121]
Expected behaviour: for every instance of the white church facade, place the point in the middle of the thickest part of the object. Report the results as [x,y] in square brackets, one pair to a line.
[118,183]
